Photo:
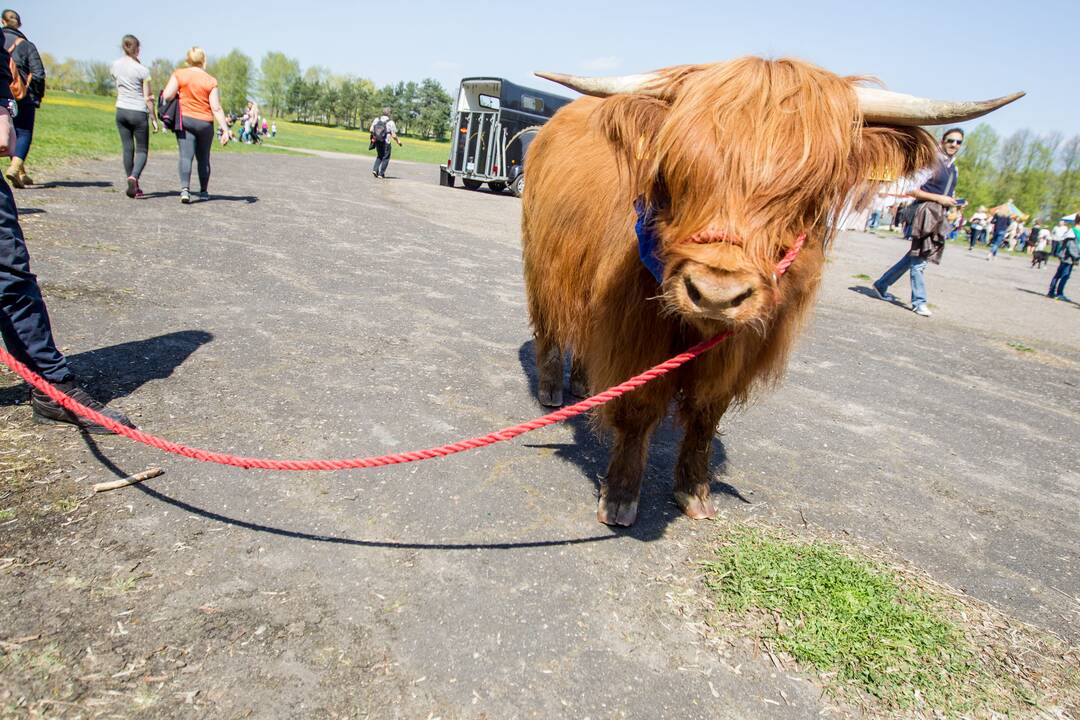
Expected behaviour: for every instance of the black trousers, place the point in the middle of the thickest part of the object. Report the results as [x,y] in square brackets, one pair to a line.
[134,128]
[195,141]
[24,321]
[382,159]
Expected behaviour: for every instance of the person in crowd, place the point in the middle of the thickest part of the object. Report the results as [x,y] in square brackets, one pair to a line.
[977,227]
[1038,258]
[135,112]
[1057,236]
[1000,225]
[876,209]
[898,210]
[24,319]
[273,129]
[936,188]
[253,116]
[383,130]
[1070,255]
[200,105]
[265,127]
[28,63]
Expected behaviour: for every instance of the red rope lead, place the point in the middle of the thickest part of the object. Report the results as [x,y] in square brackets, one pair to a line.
[394,458]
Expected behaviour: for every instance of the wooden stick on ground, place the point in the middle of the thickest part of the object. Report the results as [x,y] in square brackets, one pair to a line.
[129,480]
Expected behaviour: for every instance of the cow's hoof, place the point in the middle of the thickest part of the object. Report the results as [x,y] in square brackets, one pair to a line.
[617,512]
[550,398]
[579,388]
[695,507]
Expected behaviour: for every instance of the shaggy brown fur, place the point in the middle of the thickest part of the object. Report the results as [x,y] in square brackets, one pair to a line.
[752,152]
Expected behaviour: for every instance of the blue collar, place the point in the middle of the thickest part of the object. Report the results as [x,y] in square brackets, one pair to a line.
[647,241]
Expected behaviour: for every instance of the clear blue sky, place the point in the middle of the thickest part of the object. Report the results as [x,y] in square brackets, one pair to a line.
[937,49]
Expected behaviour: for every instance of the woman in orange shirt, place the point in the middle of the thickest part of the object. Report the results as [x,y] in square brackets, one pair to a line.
[200,104]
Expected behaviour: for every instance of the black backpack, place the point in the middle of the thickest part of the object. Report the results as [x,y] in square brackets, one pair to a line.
[379,130]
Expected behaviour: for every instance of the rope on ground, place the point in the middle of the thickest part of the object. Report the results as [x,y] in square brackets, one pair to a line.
[507,433]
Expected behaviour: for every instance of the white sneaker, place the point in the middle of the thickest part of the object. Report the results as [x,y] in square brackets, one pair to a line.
[922,310]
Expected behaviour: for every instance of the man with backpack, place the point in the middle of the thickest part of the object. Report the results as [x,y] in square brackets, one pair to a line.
[24,321]
[29,89]
[383,130]
[1069,256]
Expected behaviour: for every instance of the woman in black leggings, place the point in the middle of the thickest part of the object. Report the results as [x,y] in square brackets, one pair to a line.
[200,105]
[134,111]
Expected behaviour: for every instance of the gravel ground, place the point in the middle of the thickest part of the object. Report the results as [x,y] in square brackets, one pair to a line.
[309,310]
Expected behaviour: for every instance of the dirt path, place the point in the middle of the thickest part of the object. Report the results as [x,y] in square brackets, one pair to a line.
[309,310]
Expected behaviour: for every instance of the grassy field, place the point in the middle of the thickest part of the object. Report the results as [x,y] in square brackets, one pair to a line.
[71,127]
[315,137]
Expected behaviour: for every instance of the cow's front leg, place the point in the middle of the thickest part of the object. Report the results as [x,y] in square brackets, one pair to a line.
[692,474]
[549,366]
[633,419]
[579,378]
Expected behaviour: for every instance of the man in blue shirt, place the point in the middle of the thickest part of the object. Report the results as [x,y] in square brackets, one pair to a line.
[938,186]
[1069,256]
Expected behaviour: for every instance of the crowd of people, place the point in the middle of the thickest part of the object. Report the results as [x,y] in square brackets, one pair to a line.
[188,105]
[935,215]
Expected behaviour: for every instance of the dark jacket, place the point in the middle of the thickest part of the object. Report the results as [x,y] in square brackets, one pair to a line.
[928,231]
[28,61]
[5,76]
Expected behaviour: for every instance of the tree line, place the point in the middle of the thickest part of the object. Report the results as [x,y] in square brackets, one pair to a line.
[1041,173]
[314,95]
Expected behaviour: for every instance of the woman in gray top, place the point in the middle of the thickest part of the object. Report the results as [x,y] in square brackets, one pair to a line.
[134,111]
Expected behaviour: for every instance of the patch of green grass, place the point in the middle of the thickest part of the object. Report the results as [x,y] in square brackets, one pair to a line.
[850,617]
[70,126]
[338,139]
[1020,347]
[6,514]
[862,276]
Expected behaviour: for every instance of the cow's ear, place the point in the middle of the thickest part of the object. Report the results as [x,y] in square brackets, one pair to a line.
[631,124]
[884,153]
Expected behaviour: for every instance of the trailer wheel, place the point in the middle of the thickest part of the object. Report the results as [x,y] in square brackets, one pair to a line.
[518,186]
[497,187]
[471,184]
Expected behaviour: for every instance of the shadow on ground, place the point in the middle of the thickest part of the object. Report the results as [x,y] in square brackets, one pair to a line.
[590,449]
[72,184]
[118,370]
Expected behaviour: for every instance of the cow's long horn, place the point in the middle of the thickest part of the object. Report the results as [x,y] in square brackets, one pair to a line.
[652,84]
[883,107]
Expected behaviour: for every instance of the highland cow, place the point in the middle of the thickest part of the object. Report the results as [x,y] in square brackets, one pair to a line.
[727,163]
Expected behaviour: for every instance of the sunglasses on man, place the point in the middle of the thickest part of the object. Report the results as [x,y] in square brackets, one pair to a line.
[951,141]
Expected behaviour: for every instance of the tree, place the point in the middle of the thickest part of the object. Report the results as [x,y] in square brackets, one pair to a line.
[67,75]
[276,75]
[97,78]
[1067,182]
[233,73]
[976,166]
[160,71]
[433,110]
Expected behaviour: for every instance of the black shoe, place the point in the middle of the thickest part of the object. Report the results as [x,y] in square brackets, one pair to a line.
[132,187]
[47,410]
[374,174]
[203,196]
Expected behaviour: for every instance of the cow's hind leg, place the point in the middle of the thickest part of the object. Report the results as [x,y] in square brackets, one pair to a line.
[692,475]
[549,367]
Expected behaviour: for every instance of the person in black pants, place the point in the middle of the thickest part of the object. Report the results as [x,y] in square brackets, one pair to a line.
[24,321]
[28,62]
[135,111]
[383,130]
